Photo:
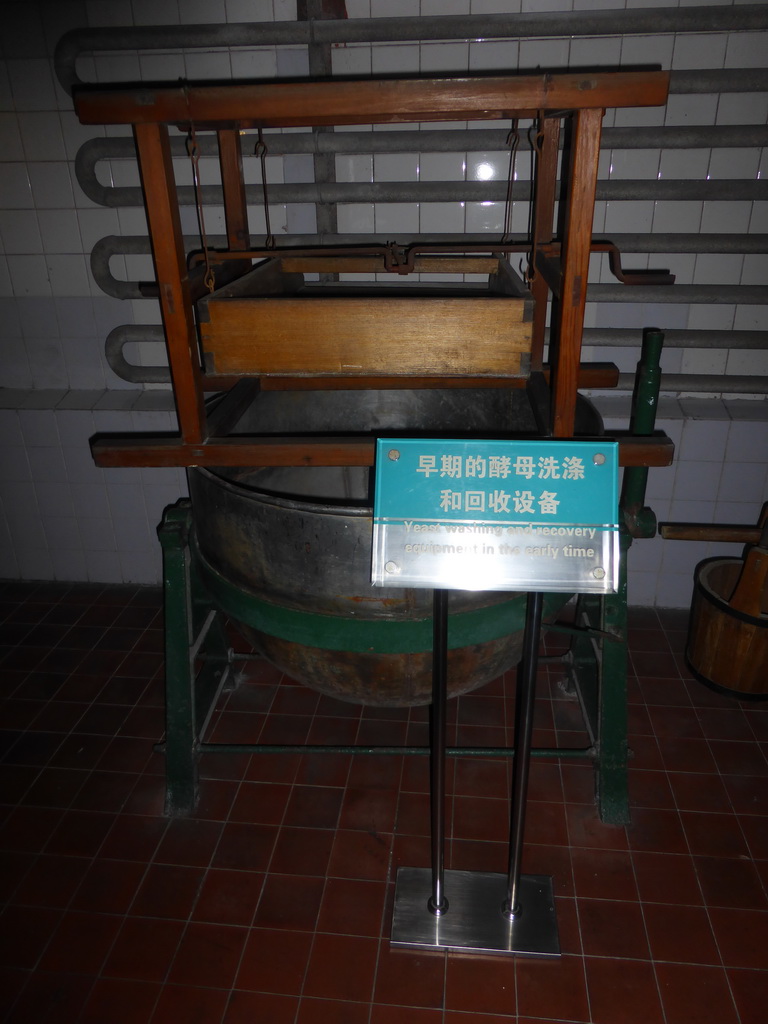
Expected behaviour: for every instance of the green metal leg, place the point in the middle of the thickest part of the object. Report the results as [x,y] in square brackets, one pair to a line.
[180,735]
[611,776]
[598,665]
[584,661]
[637,521]
[196,661]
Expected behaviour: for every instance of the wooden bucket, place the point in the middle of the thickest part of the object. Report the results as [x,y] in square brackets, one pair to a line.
[727,646]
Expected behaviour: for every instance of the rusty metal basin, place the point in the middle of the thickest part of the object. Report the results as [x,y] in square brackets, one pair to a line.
[286,552]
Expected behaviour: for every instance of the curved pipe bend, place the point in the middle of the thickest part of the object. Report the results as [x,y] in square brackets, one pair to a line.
[119,338]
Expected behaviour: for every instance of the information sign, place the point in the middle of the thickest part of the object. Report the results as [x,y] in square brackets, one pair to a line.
[496,515]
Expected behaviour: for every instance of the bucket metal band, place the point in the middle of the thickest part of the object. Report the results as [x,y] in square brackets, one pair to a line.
[363,636]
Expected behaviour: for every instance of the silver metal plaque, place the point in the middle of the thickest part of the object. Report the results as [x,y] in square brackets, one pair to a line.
[496,515]
[474,922]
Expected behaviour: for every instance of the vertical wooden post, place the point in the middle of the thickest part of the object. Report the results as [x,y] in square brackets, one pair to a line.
[235,207]
[154,153]
[582,181]
[545,176]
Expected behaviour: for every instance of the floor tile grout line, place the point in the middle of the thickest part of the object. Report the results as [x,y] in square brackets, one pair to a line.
[126,915]
[389,880]
[301,993]
[652,959]
[641,902]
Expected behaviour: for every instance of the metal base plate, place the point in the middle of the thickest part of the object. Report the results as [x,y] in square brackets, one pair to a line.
[474,922]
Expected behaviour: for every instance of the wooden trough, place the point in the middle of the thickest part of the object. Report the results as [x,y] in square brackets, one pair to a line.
[276,320]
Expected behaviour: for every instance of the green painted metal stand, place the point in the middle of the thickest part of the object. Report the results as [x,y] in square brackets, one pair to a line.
[199,663]
[597,670]
[198,660]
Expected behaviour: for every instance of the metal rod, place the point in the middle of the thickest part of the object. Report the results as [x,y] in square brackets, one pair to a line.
[734,384]
[320,55]
[555,24]
[682,294]
[718,80]
[437,903]
[575,753]
[614,190]
[526,692]
[704,383]
[116,341]
[626,337]
[135,245]
[429,139]
[714,242]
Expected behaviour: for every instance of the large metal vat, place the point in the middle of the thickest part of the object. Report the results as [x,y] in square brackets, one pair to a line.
[287,553]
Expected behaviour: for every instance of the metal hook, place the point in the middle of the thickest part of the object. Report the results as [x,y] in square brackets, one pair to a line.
[513,141]
[260,150]
[193,149]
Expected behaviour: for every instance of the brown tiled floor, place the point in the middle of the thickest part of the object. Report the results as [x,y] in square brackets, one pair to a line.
[273,903]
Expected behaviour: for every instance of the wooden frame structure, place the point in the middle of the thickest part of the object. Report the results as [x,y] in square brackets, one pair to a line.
[560,255]
[505,348]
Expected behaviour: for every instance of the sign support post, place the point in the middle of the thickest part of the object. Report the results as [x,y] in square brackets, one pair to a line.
[560,535]
[511,914]
[437,903]
[526,692]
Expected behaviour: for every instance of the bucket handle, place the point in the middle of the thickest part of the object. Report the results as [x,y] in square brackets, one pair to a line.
[719,534]
[750,589]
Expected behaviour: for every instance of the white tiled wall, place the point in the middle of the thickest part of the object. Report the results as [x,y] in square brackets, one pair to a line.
[720,475]
[63,518]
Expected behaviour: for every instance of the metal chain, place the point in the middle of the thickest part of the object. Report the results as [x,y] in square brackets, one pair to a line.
[260,150]
[536,133]
[513,141]
[193,149]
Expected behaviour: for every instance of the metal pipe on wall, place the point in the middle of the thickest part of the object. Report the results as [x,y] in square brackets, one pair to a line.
[703,383]
[432,141]
[626,337]
[129,334]
[671,382]
[441,192]
[139,245]
[651,21]
[683,294]
[325,194]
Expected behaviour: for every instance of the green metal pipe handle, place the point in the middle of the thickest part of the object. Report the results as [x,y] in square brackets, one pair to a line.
[640,520]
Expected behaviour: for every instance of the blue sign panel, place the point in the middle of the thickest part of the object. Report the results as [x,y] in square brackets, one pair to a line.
[496,515]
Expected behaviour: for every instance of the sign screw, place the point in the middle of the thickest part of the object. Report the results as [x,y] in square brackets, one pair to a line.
[599,573]
[598,459]
[394,454]
[392,567]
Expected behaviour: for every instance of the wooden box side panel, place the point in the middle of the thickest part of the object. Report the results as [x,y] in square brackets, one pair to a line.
[396,336]
[368,264]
